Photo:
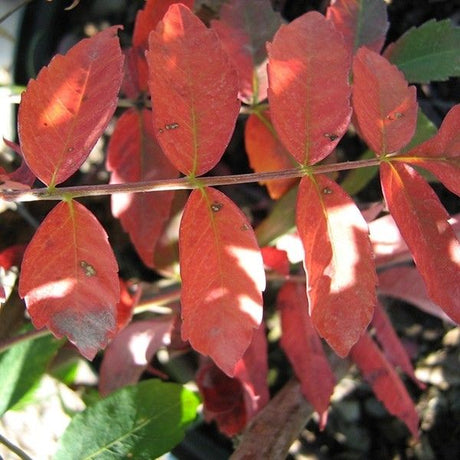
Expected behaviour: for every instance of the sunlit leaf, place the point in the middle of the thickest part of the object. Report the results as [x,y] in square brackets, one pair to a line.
[222,278]
[69,278]
[66,109]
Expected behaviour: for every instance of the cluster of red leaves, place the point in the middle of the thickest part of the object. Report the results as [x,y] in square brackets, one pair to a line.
[197,77]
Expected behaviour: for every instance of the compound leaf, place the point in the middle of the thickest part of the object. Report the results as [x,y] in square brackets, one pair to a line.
[66,109]
[338,260]
[308,76]
[69,278]
[194,91]
[222,278]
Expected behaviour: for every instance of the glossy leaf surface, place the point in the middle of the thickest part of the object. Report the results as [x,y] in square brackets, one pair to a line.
[361,22]
[308,76]
[133,156]
[427,53]
[222,278]
[301,343]
[338,260]
[385,108]
[151,418]
[69,278]
[385,382]
[194,91]
[66,109]
[430,238]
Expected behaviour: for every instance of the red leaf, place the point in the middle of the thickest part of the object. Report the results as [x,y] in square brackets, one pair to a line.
[303,347]
[308,76]
[385,107]
[338,260]
[23,174]
[362,23]
[128,300]
[390,343]
[423,223]
[222,278]
[133,156]
[12,256]
[69,278]
[266,153]
[244,28]
[194,91]
[276,259]
[131,351]
[386,384]
[444,148]
[66,109]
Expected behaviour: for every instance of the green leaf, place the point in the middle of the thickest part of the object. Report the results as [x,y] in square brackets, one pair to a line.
[430,52]
[21,367]
[142,422]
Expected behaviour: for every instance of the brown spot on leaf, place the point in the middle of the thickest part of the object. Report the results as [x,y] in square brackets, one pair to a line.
[395,116]
[216,207]
[327,191]
[331,137]
[171,126]
[88,269]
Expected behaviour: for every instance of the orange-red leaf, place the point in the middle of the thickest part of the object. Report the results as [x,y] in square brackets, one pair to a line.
[385,107]
[133,156]
[303,347]
[266,153]
[385,382]
[66,109]
[222,278]
[194,91]
[69,278]
[338,260]
[424,225]
[441,153]
[361,22]
[308,87]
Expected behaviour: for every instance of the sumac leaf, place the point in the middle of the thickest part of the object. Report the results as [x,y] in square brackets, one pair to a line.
[222,278]
[134,156]
[194,91]
[69,278]
[338,260]
[424,225]
[385,382]
[66,109]
[308,76]
[385,107]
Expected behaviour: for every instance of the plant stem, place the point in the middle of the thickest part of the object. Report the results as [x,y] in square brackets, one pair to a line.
[15,449]
[11,341]
[182,183]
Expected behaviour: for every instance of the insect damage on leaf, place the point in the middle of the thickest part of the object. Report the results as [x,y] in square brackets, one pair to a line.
[216,207]
[88,269]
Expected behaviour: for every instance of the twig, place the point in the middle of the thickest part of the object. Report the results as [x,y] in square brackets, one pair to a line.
[19,452]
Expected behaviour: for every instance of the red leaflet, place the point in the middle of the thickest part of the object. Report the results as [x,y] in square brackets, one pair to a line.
[146,21]
[390,343]
[128,300]
[266,153]
[338,260]
[134,155]
[23,174]
[222,278]
[385,107]
[444,148]
[308,87]
[386,384]
[244,28]
[11,256]
[275,259]
[423,223]
[66,109]
[194,91]
[131,351]
[362,23]
[303,347]
[69,278]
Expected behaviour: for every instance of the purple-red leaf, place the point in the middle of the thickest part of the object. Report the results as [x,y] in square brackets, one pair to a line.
[66,109]
[385,382]
[308,87]
[361,22]
[194,91]
[134,156]
[424,225]
[385,107]
[69,278]
[303,347]
[338,260]
[222,278]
